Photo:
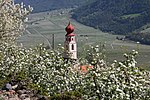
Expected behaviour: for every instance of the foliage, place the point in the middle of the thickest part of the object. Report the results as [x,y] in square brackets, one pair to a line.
[47,5]
[123,80]
[95,54]
[12,17]
[72,95]
[49,73]
[46,69]
[115,16]
[141,35]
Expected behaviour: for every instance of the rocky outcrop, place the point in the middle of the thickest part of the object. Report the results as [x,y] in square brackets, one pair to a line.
[13,92]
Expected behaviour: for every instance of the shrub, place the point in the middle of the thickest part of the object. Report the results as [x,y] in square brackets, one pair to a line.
[121,81]
[50,74]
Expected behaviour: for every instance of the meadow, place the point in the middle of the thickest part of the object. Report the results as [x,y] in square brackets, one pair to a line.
[41,26]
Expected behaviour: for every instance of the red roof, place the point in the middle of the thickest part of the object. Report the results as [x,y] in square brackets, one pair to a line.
[71,34]
[69,28]
[84,68]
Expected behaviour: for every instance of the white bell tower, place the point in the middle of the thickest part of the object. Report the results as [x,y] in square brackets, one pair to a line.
[70,44]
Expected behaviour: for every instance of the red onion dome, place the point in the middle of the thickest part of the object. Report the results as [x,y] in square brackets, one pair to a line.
[69,29]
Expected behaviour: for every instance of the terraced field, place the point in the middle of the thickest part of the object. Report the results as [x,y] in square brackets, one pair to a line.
[41,26]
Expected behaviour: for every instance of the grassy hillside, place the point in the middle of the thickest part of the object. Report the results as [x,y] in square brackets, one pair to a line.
[46,5]
[115,16]
[41,27]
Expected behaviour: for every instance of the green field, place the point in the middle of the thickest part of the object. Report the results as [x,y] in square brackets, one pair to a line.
[41,26]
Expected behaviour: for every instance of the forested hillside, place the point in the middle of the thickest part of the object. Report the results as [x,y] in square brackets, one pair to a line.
[141,35]
[115,16]
[45,5]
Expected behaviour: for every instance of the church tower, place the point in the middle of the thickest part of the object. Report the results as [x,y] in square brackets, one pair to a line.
[70,44]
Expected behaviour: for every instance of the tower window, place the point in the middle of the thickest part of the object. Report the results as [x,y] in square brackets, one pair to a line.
[72,47]
[69,38]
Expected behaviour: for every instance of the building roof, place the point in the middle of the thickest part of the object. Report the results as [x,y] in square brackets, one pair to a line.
[71,34]
[84,68]
[69,29]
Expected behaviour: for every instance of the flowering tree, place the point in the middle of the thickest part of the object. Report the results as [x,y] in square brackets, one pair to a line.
[48,72]
[121,81]
[12,17]
[45,70]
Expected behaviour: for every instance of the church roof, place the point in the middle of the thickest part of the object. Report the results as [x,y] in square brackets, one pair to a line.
[69,29]
[71,34]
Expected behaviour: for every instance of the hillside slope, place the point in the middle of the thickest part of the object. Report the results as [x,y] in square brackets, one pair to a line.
[44,5]
[116,16]
[141,35]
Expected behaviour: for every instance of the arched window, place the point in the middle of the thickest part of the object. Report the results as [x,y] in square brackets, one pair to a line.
[69,39]
[72,47]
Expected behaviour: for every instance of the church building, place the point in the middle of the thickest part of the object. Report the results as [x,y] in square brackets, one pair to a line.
[70,44]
